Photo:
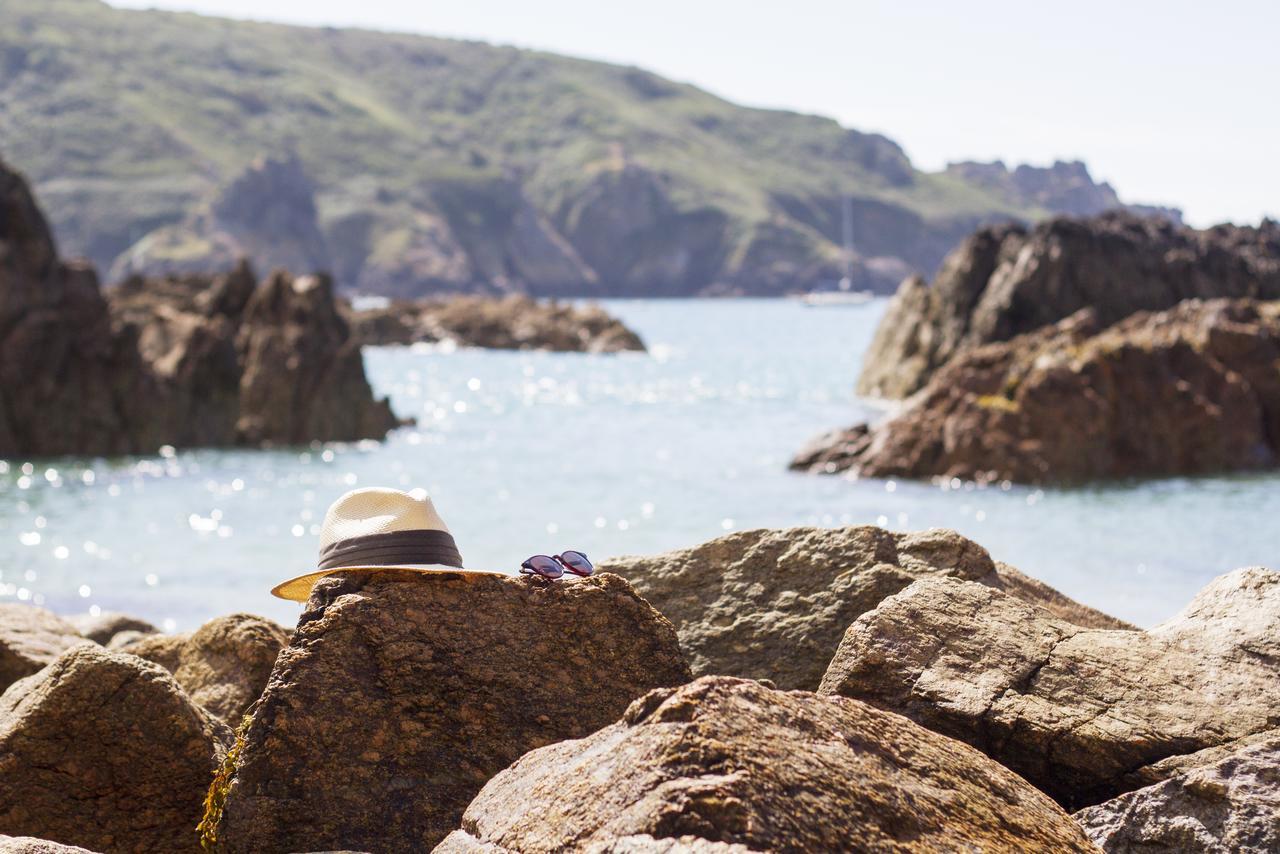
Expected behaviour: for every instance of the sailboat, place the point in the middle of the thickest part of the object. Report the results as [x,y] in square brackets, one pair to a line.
[844,293]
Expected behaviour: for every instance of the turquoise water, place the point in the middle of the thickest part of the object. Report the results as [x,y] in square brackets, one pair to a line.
[535,452]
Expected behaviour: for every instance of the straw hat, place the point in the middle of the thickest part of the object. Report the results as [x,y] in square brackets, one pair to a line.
[376,529]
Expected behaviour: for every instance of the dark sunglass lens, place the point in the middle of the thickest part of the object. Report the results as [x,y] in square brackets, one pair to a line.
[577,563]
[544,566]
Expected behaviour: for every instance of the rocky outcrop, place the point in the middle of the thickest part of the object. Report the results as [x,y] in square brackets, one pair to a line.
[30,638]
[1231,804]
[104,627]
[106,751]
[174,361]
[1190,390]
[400,695]
[224,665]
[1008,280]
[243,363]
[510,323]
[728,765]
[1066,187]
[267,213]
[1085,714]
[774,604]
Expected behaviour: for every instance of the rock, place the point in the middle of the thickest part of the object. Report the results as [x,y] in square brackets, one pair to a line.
[400,695]
[774,604]
[1191,390]
[1004,281]
[1066,187]
[1084,714]
[31,845]
[105,626]
[224,665]
[267,213]
[251,364]
[104,750]
[1232,804]
[728,765]
[30,638]
[510,323]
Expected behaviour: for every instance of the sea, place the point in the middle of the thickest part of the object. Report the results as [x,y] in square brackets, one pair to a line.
[528,452]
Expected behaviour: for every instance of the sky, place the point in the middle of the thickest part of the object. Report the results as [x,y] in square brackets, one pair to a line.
[1173,102]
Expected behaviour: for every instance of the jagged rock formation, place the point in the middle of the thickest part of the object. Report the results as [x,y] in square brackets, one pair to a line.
[105,750]
[1190,390]
[182,361]
[400,695]
[510,323]
[454,166]
[1084,714]
[1230,803]
[774,604]
[266,214]
[1066,187]
[727,765]
[1007,280]
[223,665]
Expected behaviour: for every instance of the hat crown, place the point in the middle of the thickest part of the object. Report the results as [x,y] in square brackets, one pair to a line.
[375,510]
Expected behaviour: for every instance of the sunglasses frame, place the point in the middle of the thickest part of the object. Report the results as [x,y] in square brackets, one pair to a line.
[527,568]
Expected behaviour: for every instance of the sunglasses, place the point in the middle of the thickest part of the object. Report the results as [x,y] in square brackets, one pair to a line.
[553,566]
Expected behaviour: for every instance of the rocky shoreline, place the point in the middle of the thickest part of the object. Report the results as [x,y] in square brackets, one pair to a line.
[1112,347]
[513,322]
[941,700]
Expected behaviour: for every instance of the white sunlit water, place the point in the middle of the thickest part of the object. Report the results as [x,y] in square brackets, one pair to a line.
[537,452]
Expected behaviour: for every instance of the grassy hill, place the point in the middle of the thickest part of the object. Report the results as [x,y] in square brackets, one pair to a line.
[439,164]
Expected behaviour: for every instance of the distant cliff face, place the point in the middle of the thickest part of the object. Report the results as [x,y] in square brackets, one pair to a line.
[407,165]
[1066,187]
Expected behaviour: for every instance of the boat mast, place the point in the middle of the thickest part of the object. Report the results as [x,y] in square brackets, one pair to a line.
[847,282]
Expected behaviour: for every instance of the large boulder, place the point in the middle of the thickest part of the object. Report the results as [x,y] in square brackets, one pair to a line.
[728,765]
[510,323]
[400,695]
[103,628]
[1190,390]
[1085,714]
[774,603]
[105,750]
[1006,280]
[224,665]
[30,638]
[1228,804]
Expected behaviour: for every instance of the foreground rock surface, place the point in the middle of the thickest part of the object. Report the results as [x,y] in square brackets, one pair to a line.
[1231,804]
[1004,281]
[31,845]
[224,665]
[1190,390]
[774,603]
[1085,714]
[104,750]
[729,765]
[508,323]
[30,638]
[401,695]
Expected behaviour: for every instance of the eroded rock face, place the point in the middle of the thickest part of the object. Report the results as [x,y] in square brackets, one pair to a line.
[729,765]
[1231,804]
[510,323]
[400,695]
[1007,280]
[30,638]
[223,665]
[105,750]
[1085,714]
[774,604]
[1190,390]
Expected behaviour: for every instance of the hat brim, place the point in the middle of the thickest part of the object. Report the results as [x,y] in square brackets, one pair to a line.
[299,589]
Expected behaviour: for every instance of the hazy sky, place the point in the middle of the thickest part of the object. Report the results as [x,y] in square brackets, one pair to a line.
[1172,101]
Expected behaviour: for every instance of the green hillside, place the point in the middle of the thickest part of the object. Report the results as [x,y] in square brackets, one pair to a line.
[442,164]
